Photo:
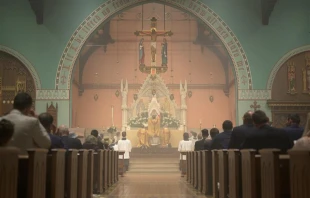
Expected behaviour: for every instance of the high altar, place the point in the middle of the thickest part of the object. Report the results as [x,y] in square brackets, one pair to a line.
[153,117]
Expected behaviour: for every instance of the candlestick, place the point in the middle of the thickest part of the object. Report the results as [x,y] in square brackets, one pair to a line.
[112,115]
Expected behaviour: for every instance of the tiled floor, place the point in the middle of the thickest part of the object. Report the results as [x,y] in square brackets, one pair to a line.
[169,185]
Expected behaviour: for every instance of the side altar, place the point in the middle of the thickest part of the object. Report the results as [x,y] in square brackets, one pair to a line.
[153,118]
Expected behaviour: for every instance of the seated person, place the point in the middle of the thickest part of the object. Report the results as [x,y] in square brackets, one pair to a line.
[6,132]
[264,136]
[303,143]
[293,130]
[70,143]
[214,132]
[221,140]
[91,142]
[203,143]
[46,120]
[28,132]
[95,133]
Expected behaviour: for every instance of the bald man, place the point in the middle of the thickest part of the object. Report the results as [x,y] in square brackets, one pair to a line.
[70,143]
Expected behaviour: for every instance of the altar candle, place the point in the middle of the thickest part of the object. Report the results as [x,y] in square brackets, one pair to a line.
[112,116]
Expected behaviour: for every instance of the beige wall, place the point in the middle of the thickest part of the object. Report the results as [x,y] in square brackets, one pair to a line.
[184,58]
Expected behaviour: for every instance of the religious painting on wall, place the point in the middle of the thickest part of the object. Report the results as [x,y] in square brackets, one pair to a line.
[14,78]
[291,78]
[306,76]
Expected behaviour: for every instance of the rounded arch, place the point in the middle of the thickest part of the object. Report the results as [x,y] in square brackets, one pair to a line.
[27,64]
[286,57]
[195,7]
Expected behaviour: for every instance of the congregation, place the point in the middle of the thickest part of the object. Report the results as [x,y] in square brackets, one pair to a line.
[256,133]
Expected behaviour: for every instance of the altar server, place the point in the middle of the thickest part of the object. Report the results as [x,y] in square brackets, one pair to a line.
[125,145]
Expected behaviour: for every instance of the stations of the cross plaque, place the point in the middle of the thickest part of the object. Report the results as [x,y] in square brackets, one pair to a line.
[153,33]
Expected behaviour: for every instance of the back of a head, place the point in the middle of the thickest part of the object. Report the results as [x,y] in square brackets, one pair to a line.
[194,134]
[199,136]
[214,132]
[295,118]
[22,101]
[94,133]
[63,130]
[205,133]
[185,136]
[124,134]
[46,120]
[259,117]
[227,125]
[6,131]
[247,118]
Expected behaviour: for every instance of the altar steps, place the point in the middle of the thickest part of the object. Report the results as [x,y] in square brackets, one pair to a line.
[153,165]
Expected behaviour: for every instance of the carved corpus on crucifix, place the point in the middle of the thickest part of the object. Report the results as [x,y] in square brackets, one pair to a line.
[153,33]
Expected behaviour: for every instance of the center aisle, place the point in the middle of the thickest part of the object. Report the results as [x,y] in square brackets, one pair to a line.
[162,185]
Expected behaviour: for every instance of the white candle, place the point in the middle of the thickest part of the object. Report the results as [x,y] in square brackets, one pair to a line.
[112,116]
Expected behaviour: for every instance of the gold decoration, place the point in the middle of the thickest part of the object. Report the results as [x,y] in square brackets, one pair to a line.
[291,78]
[117,93]
[306,75]
[211,98]
[20,84]
[96,97]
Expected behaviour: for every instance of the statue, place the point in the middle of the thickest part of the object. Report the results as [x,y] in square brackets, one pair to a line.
[164,59]
[183,93]
[165,136]
[154,125]
[143,138]
[153,52]
[124,91]
[141,52]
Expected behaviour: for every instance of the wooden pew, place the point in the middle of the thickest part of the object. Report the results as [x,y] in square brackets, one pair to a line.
[110,168]
[215,176]
[71,176]
[195,169]
[223,173]
[234,174]
[105,169]
[274,174]
[121,163]
[299,173]
[199,171]
[183,163]
[8,172]
[90,172]
[82,173]
[188,166]
[192,167]
[55,178]
[250,165]
[98,172]
[32,174]
[116,165]
[207,172]
[113,168]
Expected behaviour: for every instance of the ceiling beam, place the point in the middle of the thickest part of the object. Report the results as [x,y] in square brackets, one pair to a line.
[38,9]
[267,7]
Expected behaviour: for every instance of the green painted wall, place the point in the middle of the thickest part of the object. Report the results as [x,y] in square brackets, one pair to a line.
[43,45]
[63,110]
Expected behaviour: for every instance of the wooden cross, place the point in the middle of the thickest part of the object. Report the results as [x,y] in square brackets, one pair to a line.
[255,106]
[153,32]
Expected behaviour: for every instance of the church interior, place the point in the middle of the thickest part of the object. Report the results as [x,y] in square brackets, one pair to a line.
[148,98]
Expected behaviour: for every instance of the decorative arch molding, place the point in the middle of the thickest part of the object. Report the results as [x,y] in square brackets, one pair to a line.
[27,64]
[111,7]
[286,57]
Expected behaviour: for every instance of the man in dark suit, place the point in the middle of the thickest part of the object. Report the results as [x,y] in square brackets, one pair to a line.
[265,136]
[46,120]
[239,133]
[293,130]
[70,143]
[204,143]
[221,140]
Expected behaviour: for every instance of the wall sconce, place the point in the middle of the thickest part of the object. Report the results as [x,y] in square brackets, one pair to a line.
[211,98]
[96,97]
[171,97]
[189,94]
[117,93]
[135,97]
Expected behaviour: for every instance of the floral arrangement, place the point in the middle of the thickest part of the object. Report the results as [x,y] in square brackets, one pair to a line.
[112,129]
[165,120]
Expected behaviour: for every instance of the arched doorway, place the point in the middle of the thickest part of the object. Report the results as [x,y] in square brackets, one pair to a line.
[290,86]
[14,78]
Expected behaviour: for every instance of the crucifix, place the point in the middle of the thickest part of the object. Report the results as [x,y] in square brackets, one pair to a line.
[153,33]
[255,106]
